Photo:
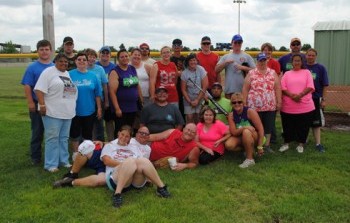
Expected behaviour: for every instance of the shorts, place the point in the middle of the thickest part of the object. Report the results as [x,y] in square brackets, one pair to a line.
[188,109]
[112,184]
[95,162]
[317,117]
[82,126]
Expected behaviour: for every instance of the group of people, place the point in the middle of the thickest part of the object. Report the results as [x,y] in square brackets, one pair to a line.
[165,103]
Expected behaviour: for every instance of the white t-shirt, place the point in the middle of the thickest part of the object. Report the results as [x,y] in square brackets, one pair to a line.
[143,150]
[60,94]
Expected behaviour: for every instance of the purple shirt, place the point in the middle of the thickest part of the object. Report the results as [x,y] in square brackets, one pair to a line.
[320,77]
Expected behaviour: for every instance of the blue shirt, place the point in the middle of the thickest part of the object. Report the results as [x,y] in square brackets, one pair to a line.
[88,89]
[320,77]
[101,77]
[32,75]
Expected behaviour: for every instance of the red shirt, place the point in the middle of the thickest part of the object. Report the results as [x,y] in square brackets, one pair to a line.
[167,77]
[274,65]
[172,146]
[209,61]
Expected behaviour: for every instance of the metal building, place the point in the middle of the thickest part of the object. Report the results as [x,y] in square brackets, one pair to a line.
[332,41]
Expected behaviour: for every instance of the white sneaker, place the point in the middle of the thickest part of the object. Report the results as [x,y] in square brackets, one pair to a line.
[300,149]
[68,165]
[284,147]
[246,163]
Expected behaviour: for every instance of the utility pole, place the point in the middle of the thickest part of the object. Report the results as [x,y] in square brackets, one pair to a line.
[103,23]
[239,13]
[48,23]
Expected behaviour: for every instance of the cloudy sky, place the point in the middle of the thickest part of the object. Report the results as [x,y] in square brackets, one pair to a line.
[158,22]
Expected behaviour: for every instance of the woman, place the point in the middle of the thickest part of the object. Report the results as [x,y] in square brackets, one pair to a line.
[127,166]
[246,129]
[124,91]
[56,95]
[193,74]
[89,98]
[267,49]
[262,92]
[297,104]
[164,73]
[211,135]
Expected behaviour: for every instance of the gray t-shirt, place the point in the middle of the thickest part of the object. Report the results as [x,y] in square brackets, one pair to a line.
[234,77]
[196,76]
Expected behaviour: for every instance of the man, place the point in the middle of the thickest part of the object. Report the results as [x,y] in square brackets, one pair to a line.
[160,115]
[320,76]
[208,60]
[174,143]
[285,61]
[29,80]
[234,68]
[68,50]
[179,60]
[104,61]
[216,92]
[145,54]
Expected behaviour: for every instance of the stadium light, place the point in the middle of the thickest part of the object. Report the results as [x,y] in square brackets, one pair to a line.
[103,23]
[239,13]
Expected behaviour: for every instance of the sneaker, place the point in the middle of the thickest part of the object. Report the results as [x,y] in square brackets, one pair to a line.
[68,165]
[163,192]
[36,162]
[320,148]
[117,200]
[246,163]
[53,170]
[284,147]
[65,182]
[300,149]
[268,150]
[71,175]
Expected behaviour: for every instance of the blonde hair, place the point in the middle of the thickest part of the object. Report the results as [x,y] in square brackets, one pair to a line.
[237,95]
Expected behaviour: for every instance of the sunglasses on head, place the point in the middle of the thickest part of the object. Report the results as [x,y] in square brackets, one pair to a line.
[295,44]
[206,43]
[236,102]
[143,133]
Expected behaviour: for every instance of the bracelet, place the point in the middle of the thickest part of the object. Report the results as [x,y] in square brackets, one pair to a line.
[41,106]
[260,148]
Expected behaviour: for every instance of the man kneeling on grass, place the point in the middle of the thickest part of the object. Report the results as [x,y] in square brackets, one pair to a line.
[126,166]
[174,143]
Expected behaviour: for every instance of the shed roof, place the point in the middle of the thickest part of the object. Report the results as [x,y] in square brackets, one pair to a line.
[332,25]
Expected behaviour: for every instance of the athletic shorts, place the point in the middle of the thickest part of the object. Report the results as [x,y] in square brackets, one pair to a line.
[96,163]
[317,116]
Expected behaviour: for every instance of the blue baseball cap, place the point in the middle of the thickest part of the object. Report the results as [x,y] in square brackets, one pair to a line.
[261,56]
[105,48]
[237,37]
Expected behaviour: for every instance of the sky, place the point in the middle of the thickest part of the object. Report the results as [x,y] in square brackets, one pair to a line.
[158,22]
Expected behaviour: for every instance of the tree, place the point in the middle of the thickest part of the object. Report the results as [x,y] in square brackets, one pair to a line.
[186,49]
[113,49]
[283,48]
[9,47]
[305,47]
[122,46]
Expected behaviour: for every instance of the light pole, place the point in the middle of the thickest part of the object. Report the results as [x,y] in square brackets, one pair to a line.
[103,23]
[239,13]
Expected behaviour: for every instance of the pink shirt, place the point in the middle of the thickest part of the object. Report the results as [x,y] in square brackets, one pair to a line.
[216,132]
[295,82]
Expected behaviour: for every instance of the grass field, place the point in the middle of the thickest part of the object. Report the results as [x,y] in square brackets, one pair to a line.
[288,187]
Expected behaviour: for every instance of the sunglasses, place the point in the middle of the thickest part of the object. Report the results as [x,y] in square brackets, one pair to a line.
[105,52]
[236,102]
[295,44]
[206,43]
[143,133]
[237,42]
[144,48]
[177,45]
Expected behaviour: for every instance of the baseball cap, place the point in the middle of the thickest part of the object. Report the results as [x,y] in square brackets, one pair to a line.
[295,39]
[161,88]
[205,38]
[216,84]
[261,56]
[144,45]
[105,48]
[177,42]
[237,37]
[68,39]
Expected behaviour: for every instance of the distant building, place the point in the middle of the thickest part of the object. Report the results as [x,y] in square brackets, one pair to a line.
[223,46]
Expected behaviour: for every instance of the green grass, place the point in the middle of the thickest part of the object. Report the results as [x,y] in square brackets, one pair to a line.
[288,187]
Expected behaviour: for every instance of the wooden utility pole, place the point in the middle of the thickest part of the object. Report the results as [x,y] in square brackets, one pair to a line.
[48,22]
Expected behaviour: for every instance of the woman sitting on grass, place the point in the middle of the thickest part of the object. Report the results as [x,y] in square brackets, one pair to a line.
[246,129]
[211,134]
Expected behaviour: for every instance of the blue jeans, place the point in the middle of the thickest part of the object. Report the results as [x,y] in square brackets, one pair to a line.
[37,129]
[56,141]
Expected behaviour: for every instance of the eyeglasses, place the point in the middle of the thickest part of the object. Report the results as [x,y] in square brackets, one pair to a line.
[236,102]
[143,133]
[206,43]
[81,59]
[295,44]
[237,42]
[144,48]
